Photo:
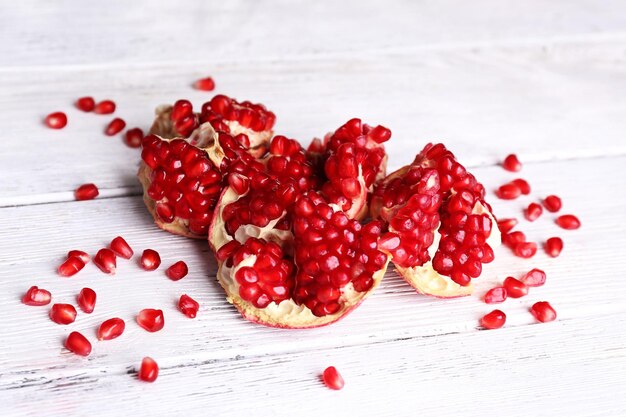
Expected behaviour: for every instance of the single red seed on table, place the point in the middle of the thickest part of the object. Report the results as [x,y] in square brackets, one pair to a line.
[115,126]
[568,222]
[508,191]
[543,311]
[534,278]
[84,256]
[78,344]
[63,313]
[149,370]
[552,203]
[150,260]
[85,104]
[204,84]
[133,137]
[525,249]
[104,107]
[151,319]
[511,163]
[86,300]
[71,266]
[121,248]
[493,320]
[513,238]
[523,185]
[177,271]
[332,378]
[532,212]
[56,120]
[86,192]
[188,306]
[515,288]
[554,246]
[111,328]
[496,295]
[105,260]
[506,225]
[36,296]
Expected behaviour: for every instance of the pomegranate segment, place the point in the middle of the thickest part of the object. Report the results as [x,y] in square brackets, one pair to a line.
[188,306]
[534,278]
[86,300]
[85,104]
[506,225]
[151,320]
[493,320]
[133,137]
[543,311]
[106,260]
[177,271]
[332,378]
[515,288]
[84,256]
[532,212]
[568,222]
[149,370]
[554,246]
[104,107]
[63,313]
[86,192]
[36,296]
[78,344]
[57,120]
[552,203]
[71,266]
[121,248]
[115,126]
[111,328]
[204,84]
[150,260]
[511,163]
[496,295]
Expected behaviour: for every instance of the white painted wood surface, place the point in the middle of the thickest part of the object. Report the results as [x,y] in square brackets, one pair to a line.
[545,80]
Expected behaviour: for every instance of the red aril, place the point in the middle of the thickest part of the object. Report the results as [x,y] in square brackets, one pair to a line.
[513,238]
[568,222]
[553,246]
[332,378]
[552,203]
[493,320]
[149,370]
[111,328]
[151,320]
[508,191]
[57,120]
[511,163]
[543,311]
[204,84]
[523,185]
[86,192]
[78,344]
[525,249]
[515,288]
[133,137]
[121,248]
[188,306]
[86,300]
[496,295]
[63,313]
[177,271]
[150,260]
[36,296]
[71,266]
[115,126]
[534,278]
[85,104]
[105,260]
[532,212]
[104,107]
[506,225]
[84,256]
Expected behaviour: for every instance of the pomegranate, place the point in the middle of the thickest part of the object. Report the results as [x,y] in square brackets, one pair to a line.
[151,320]
[149,370]
[496,295]
[71,266]
[534,278]
[106,260]
[554,246]
[85,104]
[332,378]
[205,84]
[543,311]
[506,225]
[111,328]
[525,249]
[493,320]
[78,344]
[532,212]
[36,296]
[57,120]
[177,271]
[63,313]
[121,248]
[188,306]
[133,137]
[511,163]
[509,191]
[86,300]
[86,192]
[104,107]
[523,185]
[84,256]
[515,288]
[552,203]
[568,222]
[115,126]
[150,260]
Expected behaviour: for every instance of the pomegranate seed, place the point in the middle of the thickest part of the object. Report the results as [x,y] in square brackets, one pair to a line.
[111,328]
[506,225]
[568,222]
[534,278]
[543,311]
[177,271]
[552,203]
[511,163]
[63,313]
[554,246]
[79,254]
[133,137]
[78,344]
[151,320]
[515,288]
[523,185]
[508,191]
[121,248]
[104,107]
[115,127]
[532,212]
[86,192]
[332,378]
[493,320]
[188,306]
[85,104]
[204,84]
[36,296]
[525,249]
[150,260]
[71,266]
[495,295]
[105,260]
[181,110]
[86,300]
[513,238]
[149,370]
[57,120]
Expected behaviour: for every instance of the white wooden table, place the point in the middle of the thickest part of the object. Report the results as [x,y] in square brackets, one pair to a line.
[546,80]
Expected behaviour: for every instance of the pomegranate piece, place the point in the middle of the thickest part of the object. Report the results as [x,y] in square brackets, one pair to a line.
[71,266]
[86,300]
[543,311]
[568,222]
[493,320]
[188,306]
[151,320]
[78,344]
[133,137]
[36,296]
[554,246]
[332,378]
[106,260]
[509,191]
[63,313]
[534,278]
[523,185]
[115,126]
[204,84]
[121,248]
[177,271]
[525,249]
[84,256]
[85,104]
[532,212]
[149,370]
[506,225]
[111,328]
[515,288]
[86,192]
[496,295]
[552,203]
[104,107]
[511,163]
[56,120]
[150,260]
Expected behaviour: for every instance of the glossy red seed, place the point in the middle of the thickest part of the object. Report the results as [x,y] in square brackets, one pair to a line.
[523,185]
[506,225]
[111,328]
[57,120]
[84,256]
[513,238]
[188,306]
[71,266]
[568,222]
[177,271]
[86,192]
[181,110]
[149,370]
[515,288]
[106,260]
[495,295]
[133,137]
[115,126]
[204,84]
[552,203]
[511,163]
[86,300]
[63,313]
[151,319]
[543,311]
[332,378]
[532,212]
[493,320]
[121,248]
[508,191]
[534,278]
[104,107]
[85,104]
[553,246]
[525,249]
[78,344]
[150,260]
[36,296]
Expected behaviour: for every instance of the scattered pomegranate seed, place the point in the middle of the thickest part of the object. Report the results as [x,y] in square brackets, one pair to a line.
[532,212]
[515,288]
[133,137]
[177,271]
[86,192]
[115,127]
[523,185]
[71,266]
[111,328]
[149,370]
[495,295]
[513,238]
[552,203]
[105,260]
[506,225]
[150,260]
[36,296]
[84,256]
[78,344]
[63,313]
[534,278]
[511,163]
[104,107]
[204,84]
[568,222]
[188,306]
[508,191]
[543,311]
[554,246]
[86,300]
[85,104]
[525,249]
[121,248]
[493,320]
[151,320]
[57,120]
[332,378]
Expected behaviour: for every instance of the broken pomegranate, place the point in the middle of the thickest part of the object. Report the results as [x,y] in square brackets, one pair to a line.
[177,271]
[78,344]
[543,311]
[36,296]
[85,104]
[568,222]
[515,288]
[106,260]
[493,320]
[150,260]
[86,300]
[332,378]
[121,248]
[63,313]
[554,246]
[71,266]
[86,192]
[511,163]
[149,370]
[188,306]
[57,120]
[111,328]
[151,319]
